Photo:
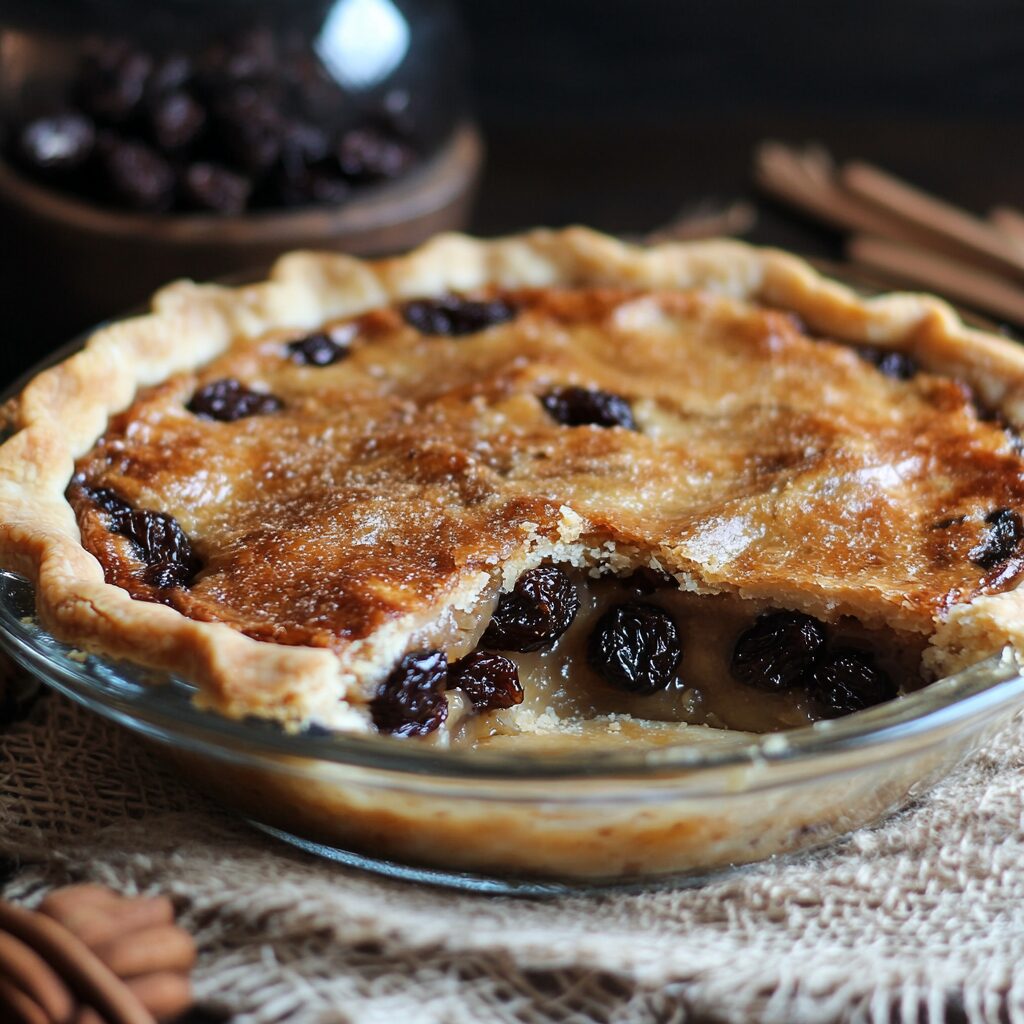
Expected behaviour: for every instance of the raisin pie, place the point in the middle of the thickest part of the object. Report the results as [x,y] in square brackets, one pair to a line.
[546,485]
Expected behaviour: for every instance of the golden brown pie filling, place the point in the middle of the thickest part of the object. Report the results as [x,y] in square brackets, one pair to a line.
[732,522]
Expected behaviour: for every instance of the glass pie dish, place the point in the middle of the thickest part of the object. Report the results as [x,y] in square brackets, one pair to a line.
[683,806]
[677,813]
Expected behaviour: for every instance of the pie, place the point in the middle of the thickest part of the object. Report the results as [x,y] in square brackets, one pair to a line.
[549,485]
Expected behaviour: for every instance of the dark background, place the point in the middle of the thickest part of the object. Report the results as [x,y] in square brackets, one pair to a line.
[617,114]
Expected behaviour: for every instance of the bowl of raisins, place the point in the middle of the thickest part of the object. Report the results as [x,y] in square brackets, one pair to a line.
[185,139]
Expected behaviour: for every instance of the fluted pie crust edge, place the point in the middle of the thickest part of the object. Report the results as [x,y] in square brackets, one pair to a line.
[61,413]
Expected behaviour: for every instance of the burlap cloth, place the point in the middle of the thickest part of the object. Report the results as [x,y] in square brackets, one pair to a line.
[919,919]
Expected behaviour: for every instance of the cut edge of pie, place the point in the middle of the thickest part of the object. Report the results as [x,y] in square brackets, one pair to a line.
[61,413]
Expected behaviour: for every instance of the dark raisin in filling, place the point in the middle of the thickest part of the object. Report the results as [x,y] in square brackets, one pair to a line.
[535,613]
[778,651]
[1001,541]
[162,545]
[635,647]
[229,400]
[848,681]
[157,538]
[897,365]
[453,316]
[580,407]
[322,348]
[490,681]
[411,701]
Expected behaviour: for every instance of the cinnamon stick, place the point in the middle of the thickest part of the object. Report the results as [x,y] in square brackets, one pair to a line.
[979,289]
[1009,221]
[972,237]
[807,180]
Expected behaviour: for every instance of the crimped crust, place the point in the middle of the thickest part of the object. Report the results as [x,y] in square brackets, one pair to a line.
[63,411]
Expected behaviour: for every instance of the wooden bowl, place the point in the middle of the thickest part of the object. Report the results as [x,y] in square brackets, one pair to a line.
[92,262]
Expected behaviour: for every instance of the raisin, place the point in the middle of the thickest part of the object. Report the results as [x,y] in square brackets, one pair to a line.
[112,80]
[635,647]
[169,73]
[228,400]
[211,187]
[1002,540]
[251,129]
[324,188]
[490,681]
[454,316]
[175,121]
[849,681]
[303,144]
[411,701]
[322,348]
[57,144]
[367,154]
[158,539]
[535,613]
[157,536]
[578,407]
[252,54]
[891,363]
[302,177]
[137,176]
[778,651]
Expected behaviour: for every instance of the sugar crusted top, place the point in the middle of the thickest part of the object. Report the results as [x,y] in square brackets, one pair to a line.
[366,481]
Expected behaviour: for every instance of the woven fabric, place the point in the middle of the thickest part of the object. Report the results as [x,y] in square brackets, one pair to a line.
[919,919]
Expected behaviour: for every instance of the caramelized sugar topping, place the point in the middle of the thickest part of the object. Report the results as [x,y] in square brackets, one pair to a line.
[326,495]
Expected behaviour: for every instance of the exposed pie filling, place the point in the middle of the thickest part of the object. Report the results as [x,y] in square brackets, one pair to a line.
[768,525]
